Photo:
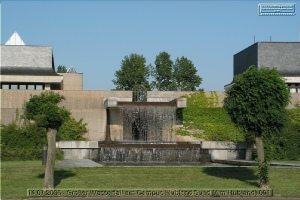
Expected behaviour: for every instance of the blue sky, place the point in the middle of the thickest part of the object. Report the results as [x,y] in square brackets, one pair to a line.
[94,36]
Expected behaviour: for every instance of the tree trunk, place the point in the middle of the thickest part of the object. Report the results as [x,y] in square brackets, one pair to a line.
[260,149]
[50,164]
[264,184]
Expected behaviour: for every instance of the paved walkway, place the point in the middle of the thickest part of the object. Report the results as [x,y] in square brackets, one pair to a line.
[252,163]
[69,163]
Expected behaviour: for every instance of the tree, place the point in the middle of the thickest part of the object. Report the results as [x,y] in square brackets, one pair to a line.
[256,103]
[133,72]
[43,109]
[163,72]
[61,69]
[184,76]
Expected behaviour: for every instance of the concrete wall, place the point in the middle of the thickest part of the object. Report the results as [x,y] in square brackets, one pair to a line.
[72,81]
[216,150]
[228,150]
[88,105]
[244,59]
[77,149]
[82,104]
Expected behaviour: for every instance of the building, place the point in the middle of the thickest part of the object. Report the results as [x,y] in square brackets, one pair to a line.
[284,56]
[27,67]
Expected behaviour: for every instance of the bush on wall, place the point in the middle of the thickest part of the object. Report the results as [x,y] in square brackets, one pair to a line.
[203,118]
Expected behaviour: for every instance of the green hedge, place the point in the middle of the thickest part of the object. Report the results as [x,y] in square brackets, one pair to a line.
[24,141]
[11,154]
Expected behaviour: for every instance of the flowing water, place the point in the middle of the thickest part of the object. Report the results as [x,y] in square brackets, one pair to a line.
[148,123]
[148,138]
[147,153]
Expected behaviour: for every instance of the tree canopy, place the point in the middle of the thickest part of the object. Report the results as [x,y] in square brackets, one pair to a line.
[185,75]
[257,100]
[61,69]
[167,75]
[163,72]
[134,71]
[44,110]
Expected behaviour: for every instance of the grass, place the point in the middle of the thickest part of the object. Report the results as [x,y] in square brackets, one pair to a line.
[17,176]
[20,164]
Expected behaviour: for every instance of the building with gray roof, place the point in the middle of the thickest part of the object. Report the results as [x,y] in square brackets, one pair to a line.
[284,56]
[32,67]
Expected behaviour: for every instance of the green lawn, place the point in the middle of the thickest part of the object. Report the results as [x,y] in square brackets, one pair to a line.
[17,176]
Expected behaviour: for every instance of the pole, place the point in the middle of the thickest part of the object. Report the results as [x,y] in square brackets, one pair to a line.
[44,155]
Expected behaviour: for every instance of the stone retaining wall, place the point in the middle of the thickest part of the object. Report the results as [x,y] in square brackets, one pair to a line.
[202,152]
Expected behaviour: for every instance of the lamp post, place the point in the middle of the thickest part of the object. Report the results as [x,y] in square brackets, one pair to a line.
[44,155]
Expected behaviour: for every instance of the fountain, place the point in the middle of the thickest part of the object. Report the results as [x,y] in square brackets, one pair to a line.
[140,130]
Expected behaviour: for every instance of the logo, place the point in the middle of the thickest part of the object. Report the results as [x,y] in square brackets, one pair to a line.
[277,9]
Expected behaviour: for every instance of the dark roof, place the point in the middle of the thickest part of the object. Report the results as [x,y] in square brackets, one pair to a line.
[284,56]
[27,60]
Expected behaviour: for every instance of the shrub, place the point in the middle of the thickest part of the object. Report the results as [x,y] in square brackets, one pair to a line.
[24,141]
[286,144]
[28,135]
[72,130]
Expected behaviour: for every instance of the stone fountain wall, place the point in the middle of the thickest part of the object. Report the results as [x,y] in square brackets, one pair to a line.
[156,117]
[164,153]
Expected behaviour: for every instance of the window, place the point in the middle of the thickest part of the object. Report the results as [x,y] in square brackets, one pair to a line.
[5,87]
[292,90]
[22,87]
[39,87]
[31,87]
[14,87]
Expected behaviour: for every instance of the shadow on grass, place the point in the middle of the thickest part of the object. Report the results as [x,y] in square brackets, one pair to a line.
[59,175]
[243,174]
